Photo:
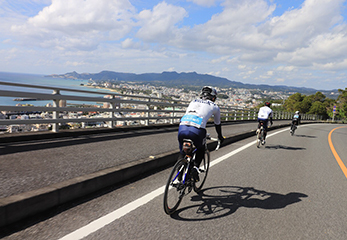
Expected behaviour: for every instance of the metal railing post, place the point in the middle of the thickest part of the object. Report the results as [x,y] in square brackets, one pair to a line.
[111,114]
[172,115]
[55,125]
[148,113]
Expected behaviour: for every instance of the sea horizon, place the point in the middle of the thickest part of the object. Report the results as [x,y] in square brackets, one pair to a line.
[40,80]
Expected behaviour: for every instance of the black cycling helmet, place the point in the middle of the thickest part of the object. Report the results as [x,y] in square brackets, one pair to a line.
[208,92]
[268,104]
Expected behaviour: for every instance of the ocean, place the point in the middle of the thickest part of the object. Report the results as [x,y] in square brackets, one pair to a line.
[41,80]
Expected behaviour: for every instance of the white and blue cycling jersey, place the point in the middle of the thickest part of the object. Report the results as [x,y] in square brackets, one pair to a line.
[198,113]
[265,113]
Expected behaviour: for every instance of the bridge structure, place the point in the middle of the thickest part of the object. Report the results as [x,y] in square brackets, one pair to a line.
[156,128]
[81,108]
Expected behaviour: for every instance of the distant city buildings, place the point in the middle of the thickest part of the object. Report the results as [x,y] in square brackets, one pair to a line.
[229,97]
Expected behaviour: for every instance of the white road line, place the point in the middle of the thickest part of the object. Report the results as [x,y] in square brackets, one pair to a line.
[109,218]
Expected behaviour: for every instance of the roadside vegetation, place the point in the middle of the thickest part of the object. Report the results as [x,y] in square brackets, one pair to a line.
[317,103]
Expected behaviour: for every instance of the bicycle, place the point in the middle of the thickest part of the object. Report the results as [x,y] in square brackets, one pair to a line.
[260,134]
[292,129]
[181,180]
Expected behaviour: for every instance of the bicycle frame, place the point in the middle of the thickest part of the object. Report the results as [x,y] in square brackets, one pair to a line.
[260,134]
[187,170]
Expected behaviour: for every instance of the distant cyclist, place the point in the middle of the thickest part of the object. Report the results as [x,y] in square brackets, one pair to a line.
[295,121]
[264,115]
[193,124]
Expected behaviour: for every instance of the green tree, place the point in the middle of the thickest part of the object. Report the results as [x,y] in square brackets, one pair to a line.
[319,97]
[306,104]
[329,106]
[313,104]
[293,102]
[319,109]
[342,103]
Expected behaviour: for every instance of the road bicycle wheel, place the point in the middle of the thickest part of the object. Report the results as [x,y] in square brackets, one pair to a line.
[262,136]
[292,130]
[258,138]
[174,189]
[203,169]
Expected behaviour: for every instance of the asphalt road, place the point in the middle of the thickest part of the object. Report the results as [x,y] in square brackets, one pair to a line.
[291,188]
[30,165]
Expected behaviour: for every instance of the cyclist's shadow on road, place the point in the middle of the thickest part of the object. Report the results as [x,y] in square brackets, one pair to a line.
[304,136]
[283,147]
[221,201]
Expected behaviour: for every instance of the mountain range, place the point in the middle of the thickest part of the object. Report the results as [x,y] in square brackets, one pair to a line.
[186,80]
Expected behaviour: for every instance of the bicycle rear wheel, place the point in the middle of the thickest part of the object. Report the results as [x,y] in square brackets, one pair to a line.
[262,136]
[174,189]
[259,137]
[292,130]
[203,169]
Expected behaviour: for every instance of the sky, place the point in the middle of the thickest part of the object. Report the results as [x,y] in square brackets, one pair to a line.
[301,43]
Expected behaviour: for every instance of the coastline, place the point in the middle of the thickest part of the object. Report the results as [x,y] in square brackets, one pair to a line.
[36,79]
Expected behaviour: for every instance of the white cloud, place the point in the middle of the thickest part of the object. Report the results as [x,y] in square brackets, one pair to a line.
[286,68]
[158,25]
[297,37]
[205,3]
[264,77]
[130,43]
[342,65]
[219,60]
[229,31]
[79,24]
[329,46]
[74,64]
[244,40]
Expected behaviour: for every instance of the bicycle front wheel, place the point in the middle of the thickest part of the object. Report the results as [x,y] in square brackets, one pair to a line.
[203,170]
[174,189]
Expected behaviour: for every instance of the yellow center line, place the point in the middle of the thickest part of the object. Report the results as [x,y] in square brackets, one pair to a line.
[338,159]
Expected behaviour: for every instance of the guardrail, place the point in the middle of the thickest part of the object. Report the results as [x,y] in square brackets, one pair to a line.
[108,109]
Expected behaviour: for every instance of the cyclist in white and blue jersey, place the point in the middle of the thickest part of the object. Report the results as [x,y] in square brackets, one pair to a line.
[296,120]
[264,115]
[193,123]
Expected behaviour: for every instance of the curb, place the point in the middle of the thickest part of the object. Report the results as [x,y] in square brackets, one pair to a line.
[19,207]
